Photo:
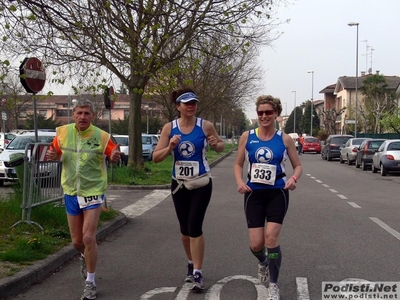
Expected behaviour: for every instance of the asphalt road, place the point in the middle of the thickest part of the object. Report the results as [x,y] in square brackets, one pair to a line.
[342,223]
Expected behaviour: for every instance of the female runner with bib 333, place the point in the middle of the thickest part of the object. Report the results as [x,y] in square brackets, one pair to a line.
[266,192]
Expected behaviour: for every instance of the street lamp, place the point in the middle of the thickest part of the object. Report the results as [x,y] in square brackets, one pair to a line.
[147,118]
[312,99]
[355,121]
[294,116]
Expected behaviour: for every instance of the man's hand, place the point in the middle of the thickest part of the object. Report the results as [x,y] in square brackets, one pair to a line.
[51,153]
[115,154]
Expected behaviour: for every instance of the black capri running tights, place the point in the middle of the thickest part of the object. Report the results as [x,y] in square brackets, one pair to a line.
[191,207]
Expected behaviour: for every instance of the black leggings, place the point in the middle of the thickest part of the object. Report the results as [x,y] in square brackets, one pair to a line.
[191,207]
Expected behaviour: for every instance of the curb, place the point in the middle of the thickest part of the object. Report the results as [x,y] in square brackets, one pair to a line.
[41,269]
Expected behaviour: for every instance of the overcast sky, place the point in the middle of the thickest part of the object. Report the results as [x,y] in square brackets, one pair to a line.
[318,38]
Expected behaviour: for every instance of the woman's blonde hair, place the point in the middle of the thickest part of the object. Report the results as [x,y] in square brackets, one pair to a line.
[268,99]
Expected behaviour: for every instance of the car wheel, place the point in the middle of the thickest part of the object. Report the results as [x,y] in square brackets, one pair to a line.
[318,152]
[383,170]
[341,159]
[374,170]
[349,162]
[356,164]
[1,182]
[328,157]
[363,166]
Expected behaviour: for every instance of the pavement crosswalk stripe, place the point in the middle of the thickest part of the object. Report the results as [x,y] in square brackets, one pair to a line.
[147,202]
[302,288]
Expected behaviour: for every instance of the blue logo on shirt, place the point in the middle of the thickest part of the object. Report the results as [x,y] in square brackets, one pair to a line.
[264,155]
[186,149]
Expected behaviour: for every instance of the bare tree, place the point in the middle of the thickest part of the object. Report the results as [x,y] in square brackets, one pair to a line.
[330,116]
[133,40]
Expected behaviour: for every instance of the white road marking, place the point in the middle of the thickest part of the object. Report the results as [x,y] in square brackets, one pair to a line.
[354,204]
[214,292]
[184,292]
[333,191]
[319,181]
[302,288]
[157,291]
[342,197]
[147,202]
[325,185]
[389,229]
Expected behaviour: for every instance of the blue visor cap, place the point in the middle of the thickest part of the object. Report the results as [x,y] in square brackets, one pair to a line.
[187,97]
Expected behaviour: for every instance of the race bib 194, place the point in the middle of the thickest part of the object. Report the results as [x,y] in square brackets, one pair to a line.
[90,200]
[263,173]
[186,169]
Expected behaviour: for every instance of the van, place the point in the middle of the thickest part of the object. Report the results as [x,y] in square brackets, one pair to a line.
[295,138]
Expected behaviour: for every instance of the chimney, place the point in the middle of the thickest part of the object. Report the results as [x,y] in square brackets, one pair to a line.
[362,73]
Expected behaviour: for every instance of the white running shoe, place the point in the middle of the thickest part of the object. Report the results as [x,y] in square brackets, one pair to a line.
[263,273]
[273,292]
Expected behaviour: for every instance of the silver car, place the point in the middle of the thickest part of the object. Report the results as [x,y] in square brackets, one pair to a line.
[387,158]
[349,151]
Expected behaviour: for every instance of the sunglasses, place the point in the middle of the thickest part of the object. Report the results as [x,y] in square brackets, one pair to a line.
[268,112]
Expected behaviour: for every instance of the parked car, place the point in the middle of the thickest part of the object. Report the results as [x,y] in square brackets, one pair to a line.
[349,150]
[295,138]
[149,143]
[311,144]
[332,146]
[5,139]
[365,152]
[124,148]
[17,145]
[387,157]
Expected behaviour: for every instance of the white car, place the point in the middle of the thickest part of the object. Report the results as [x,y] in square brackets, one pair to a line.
[17,145]
[5,139]
[124,141]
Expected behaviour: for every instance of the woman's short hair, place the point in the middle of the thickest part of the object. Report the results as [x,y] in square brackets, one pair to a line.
[273,101]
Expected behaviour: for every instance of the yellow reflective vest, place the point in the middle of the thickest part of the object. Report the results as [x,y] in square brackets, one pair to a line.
[84,171]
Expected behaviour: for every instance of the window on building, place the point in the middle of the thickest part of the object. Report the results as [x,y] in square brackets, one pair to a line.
[105,115]
[43,113]
[126,114]
[62,112]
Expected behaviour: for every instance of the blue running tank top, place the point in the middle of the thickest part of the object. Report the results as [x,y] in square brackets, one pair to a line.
[264,157]
[190,159]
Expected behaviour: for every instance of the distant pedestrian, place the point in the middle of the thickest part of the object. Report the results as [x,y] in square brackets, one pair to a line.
[82,147]
[301,143]
[187,138]
[266,192]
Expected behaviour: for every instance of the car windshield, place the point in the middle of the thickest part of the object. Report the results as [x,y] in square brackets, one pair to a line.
[339,140]
[122,140]
[19,142]
[311,140]
[394,146]
[375,144]
[146,140]
[357,142]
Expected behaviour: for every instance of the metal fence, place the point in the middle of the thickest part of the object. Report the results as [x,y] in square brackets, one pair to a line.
[41,181]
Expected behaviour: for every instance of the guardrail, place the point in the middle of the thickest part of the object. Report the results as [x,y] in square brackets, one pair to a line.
[41,181]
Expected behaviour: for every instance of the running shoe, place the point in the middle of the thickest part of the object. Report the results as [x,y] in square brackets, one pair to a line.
[89,292]
[189,276]
[198,282]
[273,292]
[83,267]
[263,273]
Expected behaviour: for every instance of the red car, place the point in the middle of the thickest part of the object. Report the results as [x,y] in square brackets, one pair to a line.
[311,144]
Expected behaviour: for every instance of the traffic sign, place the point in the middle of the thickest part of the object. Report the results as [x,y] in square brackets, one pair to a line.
[33,75]
[4,116]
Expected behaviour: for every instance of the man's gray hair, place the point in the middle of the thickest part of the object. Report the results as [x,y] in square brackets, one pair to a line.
[83,103]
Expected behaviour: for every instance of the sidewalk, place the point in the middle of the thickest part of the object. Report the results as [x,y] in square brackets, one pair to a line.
[41,269]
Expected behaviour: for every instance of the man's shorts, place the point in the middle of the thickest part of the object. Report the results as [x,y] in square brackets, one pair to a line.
[72,205]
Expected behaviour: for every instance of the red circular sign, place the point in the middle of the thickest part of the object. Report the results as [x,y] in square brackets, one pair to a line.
[33,75]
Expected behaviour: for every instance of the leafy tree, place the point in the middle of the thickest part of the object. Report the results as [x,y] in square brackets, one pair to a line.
[42,122]
[391,121]
[378,100]
[289,127]
[132,40]
[305,124]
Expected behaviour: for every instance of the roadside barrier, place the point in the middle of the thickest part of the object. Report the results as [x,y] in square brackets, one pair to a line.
[40,180]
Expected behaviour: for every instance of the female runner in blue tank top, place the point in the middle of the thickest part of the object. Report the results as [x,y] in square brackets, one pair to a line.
[266,195]
[187,138]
